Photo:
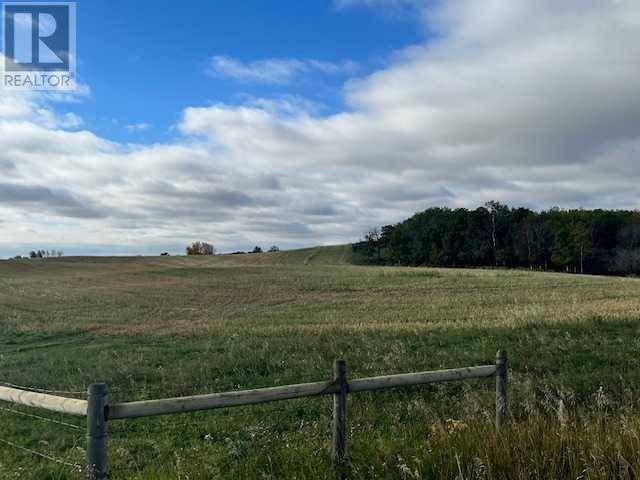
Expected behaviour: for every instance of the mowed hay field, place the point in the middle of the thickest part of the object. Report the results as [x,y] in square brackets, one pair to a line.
[162,327]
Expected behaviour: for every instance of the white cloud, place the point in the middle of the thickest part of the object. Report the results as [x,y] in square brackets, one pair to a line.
[395,9]
[138,127]
[394,4]
[275,70]
[70,120]
[533,103]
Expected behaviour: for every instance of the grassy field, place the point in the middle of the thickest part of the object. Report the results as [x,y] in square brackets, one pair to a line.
[158,327]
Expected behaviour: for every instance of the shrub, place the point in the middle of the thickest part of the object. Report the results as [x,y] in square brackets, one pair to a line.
[201,248]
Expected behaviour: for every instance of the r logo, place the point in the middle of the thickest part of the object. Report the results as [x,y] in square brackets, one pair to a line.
[39,37]
[36,37]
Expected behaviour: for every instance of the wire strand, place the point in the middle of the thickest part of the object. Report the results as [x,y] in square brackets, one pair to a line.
[74,466]
[40,390]
[44,419]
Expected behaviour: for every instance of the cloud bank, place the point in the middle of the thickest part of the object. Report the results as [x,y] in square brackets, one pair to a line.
[532,103]
[275,70]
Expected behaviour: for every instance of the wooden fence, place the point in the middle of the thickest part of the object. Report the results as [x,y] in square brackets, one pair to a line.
[98,411]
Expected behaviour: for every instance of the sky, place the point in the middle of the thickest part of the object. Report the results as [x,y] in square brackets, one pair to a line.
[306,123]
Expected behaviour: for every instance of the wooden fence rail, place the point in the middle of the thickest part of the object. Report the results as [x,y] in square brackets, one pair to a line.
[149,408]
[52,403]
[99,411]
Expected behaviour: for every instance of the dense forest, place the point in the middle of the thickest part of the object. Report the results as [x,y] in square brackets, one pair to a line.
[578,241]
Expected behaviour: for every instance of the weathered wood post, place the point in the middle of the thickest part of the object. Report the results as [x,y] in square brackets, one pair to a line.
[97,432]
[340,417]
[502,382]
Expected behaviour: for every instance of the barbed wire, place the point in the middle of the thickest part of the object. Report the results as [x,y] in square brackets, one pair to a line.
[38,417]
[75,466]
[41,390]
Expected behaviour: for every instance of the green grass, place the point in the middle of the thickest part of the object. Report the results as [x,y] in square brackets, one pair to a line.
[159,327]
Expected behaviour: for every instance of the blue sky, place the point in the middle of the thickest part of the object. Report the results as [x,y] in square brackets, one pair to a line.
[305,123]
[146,61]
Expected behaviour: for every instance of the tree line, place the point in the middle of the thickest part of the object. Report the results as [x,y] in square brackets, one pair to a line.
[41,254]
[578,241]
[204,248]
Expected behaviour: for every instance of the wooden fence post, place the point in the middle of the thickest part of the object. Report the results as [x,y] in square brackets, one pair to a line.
[97,468]
[502,383]
[340,417]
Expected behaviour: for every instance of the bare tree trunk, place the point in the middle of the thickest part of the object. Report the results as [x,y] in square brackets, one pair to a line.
[493,238]
[528,229]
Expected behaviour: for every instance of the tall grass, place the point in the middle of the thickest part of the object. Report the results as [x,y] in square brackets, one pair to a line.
[155,328]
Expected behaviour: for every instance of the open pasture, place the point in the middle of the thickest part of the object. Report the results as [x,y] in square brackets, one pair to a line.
[174,326]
